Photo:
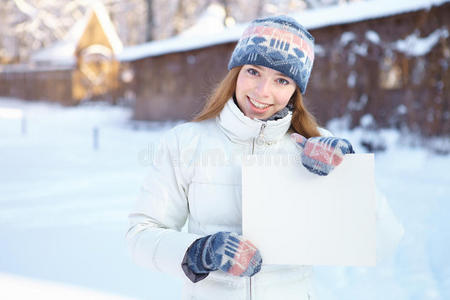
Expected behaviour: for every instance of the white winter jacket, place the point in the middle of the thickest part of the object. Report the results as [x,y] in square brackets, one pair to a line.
[195,175]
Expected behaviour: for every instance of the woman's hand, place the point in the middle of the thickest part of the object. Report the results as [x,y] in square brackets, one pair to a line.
[224,251]
[321,154]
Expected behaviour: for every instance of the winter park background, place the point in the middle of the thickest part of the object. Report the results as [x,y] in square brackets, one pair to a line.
[64,205]
[69,176]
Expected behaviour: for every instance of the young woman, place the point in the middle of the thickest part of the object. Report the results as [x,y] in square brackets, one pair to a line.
[196,171]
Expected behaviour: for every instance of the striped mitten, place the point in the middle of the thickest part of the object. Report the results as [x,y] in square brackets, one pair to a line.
[224,251]
[321,154]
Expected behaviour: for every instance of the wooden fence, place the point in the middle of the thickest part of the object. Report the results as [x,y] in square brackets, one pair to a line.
[24,82]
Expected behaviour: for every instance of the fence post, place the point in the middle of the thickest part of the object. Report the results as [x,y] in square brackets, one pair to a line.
[95,137]
[23,124]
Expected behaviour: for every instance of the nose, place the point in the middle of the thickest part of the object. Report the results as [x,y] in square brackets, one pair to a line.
[263,87]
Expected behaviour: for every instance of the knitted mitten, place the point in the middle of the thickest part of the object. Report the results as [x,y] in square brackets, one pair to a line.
[224,251]
[321,154]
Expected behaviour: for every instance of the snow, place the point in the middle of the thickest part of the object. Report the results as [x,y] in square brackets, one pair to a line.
[413,45]
[19,287]
[373,36]
[402,109]
[358,105]
[20,68]
[99,9]
[200,37]
[360,11]
[360,49]
[61,53]
[180,43]
[351,79]
[367,121]
[346,38]
[212,21]
[64,206]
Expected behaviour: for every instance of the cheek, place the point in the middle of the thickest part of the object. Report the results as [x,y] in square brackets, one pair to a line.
[242,84]
[283,97]
[240,92]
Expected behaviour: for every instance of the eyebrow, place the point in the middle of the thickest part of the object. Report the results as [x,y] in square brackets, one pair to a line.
[277,73]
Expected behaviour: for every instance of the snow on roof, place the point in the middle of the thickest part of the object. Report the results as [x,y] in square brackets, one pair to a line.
[60,53]
[362,10]
[108,26]
[208,31]
[63,52]
[210,22]
[180,43]
[311,19]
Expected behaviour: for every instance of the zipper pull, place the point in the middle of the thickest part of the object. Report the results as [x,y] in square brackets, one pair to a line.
[260,140]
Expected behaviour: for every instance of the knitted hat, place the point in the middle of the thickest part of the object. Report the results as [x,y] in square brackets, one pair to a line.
[279,43]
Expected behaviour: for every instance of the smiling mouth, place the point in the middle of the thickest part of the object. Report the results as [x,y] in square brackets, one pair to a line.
[257,104]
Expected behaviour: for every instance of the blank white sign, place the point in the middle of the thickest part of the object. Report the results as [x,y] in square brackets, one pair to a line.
[296,217]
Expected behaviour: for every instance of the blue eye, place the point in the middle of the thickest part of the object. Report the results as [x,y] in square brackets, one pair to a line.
[252,71]
[282,81]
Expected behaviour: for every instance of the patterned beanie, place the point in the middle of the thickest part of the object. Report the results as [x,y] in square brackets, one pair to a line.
[279,43]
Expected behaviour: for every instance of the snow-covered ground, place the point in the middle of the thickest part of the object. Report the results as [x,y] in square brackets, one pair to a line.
[64,203]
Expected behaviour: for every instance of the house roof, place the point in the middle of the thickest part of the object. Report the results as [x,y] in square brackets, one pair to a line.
[311,19]
[63,52]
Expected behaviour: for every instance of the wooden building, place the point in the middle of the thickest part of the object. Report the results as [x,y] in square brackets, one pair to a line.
[386,64]
[82,66]
[97,70]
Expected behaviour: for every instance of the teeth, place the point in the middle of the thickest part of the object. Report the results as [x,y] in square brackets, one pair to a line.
[257,104]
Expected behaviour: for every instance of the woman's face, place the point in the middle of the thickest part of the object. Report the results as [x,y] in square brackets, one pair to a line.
[261,91]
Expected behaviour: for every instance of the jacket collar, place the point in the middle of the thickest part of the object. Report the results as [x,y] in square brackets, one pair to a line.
[239,128]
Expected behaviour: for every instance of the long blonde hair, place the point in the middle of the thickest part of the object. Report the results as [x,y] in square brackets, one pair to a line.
[303,122]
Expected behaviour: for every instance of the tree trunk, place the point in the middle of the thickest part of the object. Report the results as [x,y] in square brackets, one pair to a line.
[178,18]
[150,21]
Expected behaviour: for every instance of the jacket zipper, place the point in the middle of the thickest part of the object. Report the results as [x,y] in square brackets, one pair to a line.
[258,140]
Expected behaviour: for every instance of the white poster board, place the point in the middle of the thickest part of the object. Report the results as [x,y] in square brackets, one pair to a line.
[296,217]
